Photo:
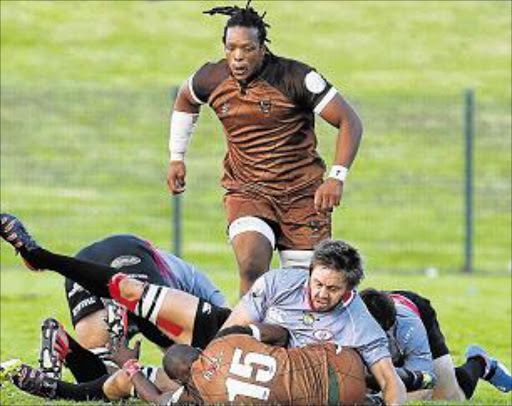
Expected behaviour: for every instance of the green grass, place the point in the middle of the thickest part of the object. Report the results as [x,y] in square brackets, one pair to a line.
[85,96]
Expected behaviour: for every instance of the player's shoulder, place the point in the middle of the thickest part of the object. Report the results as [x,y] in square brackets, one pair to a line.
[287,276]
[207,78]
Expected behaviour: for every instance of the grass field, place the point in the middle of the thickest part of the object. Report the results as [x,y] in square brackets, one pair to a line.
[85,95]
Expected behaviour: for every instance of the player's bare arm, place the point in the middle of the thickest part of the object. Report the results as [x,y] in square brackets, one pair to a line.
[339,114]
[270,334]
[184,116]
[393,389]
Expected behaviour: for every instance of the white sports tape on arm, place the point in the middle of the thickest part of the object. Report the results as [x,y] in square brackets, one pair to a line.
[338,172]
[181,129]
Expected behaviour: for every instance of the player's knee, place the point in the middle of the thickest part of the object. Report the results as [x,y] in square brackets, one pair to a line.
[131,289]
[117,386]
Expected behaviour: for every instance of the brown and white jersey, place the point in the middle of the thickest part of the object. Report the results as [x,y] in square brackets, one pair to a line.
[268,122]
[240,369]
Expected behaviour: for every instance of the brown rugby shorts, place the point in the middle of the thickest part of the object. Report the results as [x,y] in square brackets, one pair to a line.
[298,226]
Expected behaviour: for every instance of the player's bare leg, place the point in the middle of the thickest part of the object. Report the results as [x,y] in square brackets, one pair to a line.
[171,310]
[253,253]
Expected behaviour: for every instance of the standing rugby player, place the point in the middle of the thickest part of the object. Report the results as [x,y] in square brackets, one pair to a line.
[276,194]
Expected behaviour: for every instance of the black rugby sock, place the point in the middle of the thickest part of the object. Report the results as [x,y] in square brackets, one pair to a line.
[84,364]
[468,375]
[83,391]
[92,276]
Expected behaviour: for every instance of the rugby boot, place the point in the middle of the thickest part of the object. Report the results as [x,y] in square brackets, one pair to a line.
[14,232]
[34,382]
[9,369]
[54,348]
[117,323]
[495,372]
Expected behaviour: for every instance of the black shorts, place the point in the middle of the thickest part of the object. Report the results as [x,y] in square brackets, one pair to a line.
[136,258]
[428,315]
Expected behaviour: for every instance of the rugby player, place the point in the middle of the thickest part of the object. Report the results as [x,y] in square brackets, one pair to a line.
[420,353]
[276,196]
[150,279]
[239,368]
[322,305]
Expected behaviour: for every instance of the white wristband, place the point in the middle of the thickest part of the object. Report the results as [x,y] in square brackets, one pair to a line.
[338,172]
[181,129]
[256,333]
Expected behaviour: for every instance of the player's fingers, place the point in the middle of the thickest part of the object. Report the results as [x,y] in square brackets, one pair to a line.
[318,201]
[136,349]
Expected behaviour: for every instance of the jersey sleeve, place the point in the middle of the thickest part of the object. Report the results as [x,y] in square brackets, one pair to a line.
[206,79]
[258,299]
[368,337]
[310,90]
[413,341]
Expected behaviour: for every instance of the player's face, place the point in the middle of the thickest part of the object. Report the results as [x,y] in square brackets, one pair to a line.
[243,52]
[327,288]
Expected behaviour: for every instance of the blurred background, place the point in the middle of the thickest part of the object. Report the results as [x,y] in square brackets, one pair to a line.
[86,91]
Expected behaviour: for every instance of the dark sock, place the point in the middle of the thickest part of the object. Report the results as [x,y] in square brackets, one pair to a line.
[93,277]
[83,391]
[468,375]
[83,364]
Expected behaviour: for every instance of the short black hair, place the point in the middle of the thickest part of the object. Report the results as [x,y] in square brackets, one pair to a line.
[339,256]
[381,307]
[243,17]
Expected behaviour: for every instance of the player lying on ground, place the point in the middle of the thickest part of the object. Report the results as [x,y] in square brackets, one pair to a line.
[238,368]
[419,350]
[322,305]
[186,319]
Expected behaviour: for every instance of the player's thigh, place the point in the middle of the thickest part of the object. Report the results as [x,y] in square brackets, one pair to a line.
[117,386]
[447,387]
[87,312]
[91,331]
[420,395]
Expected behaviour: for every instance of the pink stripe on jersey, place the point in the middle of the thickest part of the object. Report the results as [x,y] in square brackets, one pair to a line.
[405,302]
[163,266]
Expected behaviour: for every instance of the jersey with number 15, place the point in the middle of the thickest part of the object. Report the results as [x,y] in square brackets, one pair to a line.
[238,368]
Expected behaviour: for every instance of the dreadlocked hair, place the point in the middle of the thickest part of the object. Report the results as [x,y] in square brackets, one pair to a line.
[243,17]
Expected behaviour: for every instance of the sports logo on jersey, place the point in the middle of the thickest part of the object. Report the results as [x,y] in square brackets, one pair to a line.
[275,315]
[265,106]
[125,260]
[212,366]
[314,82]
[308,318]
[323,335]
[207,308]
[224,109]
[76,288]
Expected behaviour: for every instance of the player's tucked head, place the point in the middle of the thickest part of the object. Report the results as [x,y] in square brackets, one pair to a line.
[336,268]
[244,39]
[381,307]
[178,360]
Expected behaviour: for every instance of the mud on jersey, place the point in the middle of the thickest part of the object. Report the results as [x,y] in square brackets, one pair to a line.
[268,122]
[240,369]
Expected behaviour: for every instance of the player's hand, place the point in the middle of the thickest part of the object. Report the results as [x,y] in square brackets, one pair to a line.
[176,177]
[328,195]
[122,353]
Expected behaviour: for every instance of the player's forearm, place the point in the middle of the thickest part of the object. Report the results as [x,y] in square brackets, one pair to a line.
[146,390]
[348,140]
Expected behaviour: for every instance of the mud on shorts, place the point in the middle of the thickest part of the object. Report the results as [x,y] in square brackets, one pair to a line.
[436,339]
[293,216]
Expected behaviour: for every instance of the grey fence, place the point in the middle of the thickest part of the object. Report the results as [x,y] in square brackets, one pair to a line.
[81,164]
